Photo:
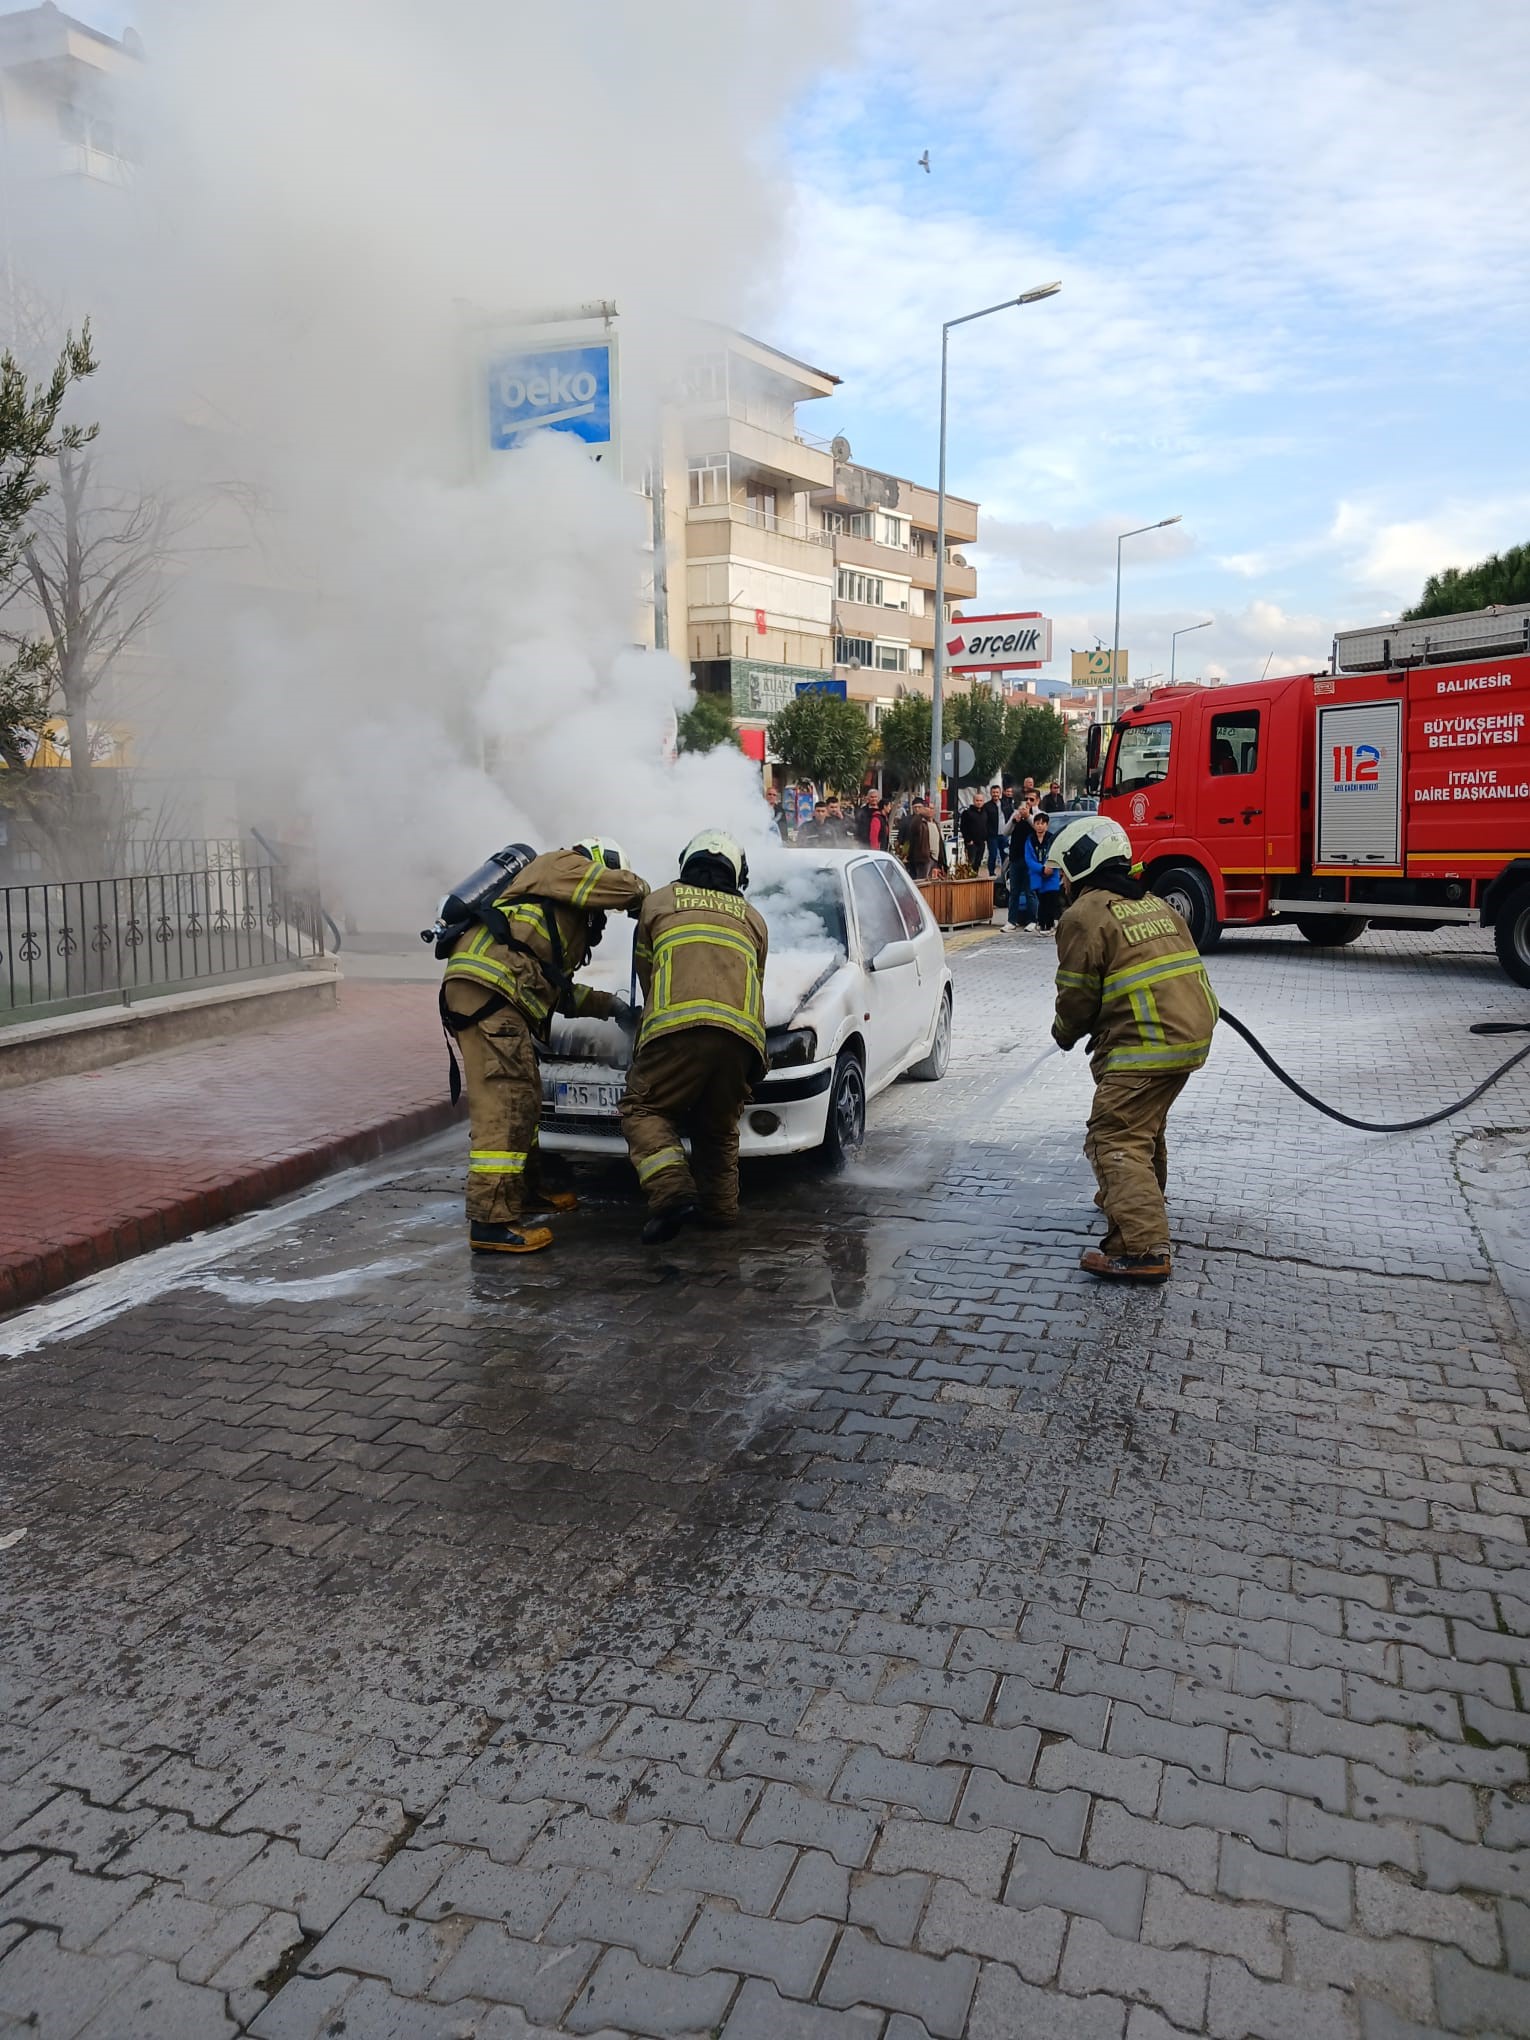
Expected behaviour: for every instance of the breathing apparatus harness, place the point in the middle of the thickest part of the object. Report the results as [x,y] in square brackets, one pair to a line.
[474,904]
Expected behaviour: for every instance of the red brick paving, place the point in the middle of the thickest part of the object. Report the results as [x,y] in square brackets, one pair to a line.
[96,1168]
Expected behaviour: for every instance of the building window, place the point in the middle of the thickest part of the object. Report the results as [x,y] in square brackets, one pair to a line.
[709,478]
[852,651]
[892,531]
[891,658]
[761,499]
[833,520]
[851,586]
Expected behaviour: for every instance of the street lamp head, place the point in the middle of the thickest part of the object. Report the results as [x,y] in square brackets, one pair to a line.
[1031,297]
[1168,520]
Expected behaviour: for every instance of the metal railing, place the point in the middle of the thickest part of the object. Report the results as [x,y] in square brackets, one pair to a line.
[761,520]
[143,856]
[90,941]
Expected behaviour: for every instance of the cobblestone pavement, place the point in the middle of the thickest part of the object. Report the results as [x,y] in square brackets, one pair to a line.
[101,1166]
[859,1627]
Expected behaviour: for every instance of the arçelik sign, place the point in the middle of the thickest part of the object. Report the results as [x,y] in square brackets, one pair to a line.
[991,644]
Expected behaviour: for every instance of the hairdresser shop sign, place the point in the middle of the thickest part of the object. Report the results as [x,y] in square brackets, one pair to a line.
[566,387]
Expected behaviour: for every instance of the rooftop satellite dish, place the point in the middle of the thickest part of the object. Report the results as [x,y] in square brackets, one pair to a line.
[840,447]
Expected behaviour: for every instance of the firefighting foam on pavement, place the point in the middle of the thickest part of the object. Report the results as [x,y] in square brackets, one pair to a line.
[764,1266]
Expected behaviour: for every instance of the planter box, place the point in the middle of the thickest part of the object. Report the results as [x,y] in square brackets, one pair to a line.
[959,902]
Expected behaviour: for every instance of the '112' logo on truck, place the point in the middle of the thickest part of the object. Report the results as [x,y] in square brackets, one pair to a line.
[1354,766]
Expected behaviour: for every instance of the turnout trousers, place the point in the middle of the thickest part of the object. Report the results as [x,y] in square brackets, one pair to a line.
[1125,1147]
[691,1082]
[504,1094]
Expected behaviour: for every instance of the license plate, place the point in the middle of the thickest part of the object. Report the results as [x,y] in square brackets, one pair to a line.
[597,1100]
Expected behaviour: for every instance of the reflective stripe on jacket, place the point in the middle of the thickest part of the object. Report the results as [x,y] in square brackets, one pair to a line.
[701,963]
[1129,976]
[562,888]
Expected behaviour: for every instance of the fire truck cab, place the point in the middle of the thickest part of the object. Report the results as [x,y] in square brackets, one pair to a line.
[1392,791]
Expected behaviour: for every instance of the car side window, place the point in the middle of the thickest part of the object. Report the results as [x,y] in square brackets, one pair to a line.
[910,906]
[876,911]
[1234,743]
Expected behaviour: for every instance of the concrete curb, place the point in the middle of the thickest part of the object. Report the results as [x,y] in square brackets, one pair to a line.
[24,1279]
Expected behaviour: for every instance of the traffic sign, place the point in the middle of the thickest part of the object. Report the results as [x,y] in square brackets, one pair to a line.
[957,759]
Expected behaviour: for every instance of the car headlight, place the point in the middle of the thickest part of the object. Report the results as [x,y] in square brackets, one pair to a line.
[792,1045]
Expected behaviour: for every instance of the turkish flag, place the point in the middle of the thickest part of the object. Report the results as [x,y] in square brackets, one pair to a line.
[759,622]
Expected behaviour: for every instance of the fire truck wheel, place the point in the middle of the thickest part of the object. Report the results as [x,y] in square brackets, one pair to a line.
[1511,935]
[1332,931]
[1186,888]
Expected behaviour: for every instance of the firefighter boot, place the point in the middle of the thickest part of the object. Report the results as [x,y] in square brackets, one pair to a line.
[554,1200]
[667,1221]
[1151,1267]
[507,1239]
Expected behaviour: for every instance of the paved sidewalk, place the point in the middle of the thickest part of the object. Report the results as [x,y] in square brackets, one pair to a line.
[861,1627]
[96,1168]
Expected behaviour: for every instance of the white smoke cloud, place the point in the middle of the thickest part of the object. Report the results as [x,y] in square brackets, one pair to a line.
[425,648]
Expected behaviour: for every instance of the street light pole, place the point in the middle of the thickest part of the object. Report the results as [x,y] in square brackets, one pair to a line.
[938,668]
[1115,643]
[1176,635]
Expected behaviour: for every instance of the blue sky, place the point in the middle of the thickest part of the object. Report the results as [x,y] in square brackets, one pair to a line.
[1294,241]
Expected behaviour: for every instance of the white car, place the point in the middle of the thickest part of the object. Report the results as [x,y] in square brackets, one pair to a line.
[857,994]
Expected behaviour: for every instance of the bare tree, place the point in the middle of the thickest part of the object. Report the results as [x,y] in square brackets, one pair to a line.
[96,561]
[30,438]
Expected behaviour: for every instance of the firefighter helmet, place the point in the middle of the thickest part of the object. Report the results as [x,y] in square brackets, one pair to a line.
[719,844]
[601,851]
[1089,844]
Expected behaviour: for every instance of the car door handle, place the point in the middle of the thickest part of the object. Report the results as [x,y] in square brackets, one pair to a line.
[1224,821]
[1168,817]
[1250,812]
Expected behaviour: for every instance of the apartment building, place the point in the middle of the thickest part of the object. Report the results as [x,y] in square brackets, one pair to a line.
[59,115]
[882,529]
[757,589]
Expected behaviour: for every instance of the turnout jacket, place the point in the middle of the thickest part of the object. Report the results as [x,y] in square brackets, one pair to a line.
[701,963]
[548,909]
[1129,976]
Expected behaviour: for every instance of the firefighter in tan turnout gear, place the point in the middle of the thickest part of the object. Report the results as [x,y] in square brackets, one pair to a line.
[506,977]
[701,952]
[1129,977]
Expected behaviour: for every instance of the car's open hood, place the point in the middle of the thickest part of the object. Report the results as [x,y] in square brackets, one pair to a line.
[794,980]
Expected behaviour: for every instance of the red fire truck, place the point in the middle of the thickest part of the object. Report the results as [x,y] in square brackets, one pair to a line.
[1392,791]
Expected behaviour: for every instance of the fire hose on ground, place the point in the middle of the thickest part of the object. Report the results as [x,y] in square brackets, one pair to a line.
[1383,1125]
[1346,1118]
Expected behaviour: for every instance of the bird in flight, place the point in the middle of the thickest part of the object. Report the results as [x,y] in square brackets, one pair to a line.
[924,162]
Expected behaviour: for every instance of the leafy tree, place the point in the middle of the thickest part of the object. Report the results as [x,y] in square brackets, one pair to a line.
[30,435]
[978,717]
[822,738]
[706,725]
[904,734]
[1035,737]
[1501,577]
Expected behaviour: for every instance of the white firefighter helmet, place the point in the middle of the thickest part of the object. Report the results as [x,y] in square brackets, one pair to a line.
[1087,844]
[718,843]
[601,850]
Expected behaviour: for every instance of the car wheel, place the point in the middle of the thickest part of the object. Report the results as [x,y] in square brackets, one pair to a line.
[934,1066]
[846,1128]
[1511,935]
[1185,888]
[1332,931]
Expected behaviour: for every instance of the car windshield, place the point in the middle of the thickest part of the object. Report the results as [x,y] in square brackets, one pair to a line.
[803,909]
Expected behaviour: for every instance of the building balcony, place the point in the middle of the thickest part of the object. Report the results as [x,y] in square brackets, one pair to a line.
[869,620]
[764,443]
[961,582]
[734,530]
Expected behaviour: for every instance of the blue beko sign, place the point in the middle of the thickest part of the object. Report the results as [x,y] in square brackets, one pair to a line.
[838,688]
[552,389]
